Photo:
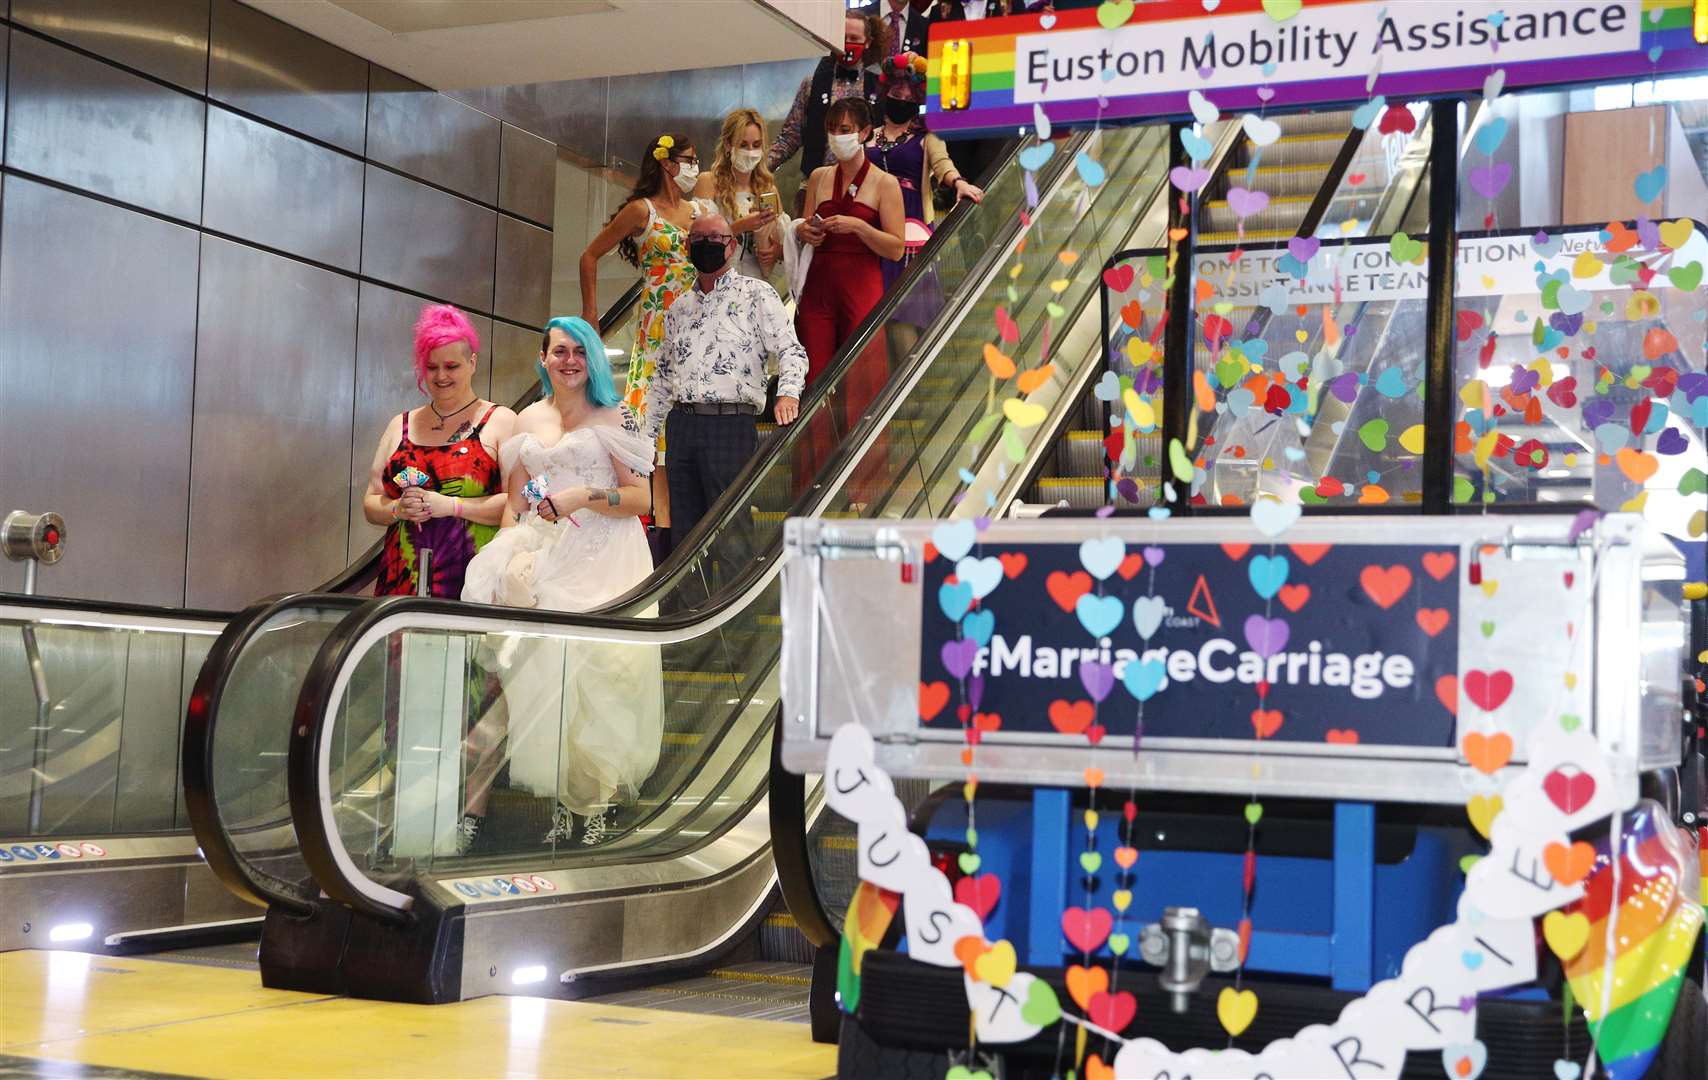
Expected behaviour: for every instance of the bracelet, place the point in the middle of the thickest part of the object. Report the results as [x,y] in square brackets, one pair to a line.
[456,506]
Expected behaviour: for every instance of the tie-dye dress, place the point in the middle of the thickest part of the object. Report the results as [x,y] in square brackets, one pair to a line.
[465,469]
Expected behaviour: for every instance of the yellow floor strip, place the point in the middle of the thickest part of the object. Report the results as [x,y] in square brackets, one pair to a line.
[203,1021]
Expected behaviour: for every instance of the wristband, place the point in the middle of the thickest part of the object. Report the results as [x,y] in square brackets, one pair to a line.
[456,507]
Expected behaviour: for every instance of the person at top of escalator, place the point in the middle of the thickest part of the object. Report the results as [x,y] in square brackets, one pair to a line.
[650,230]
[745,193]
[902,147]
[584,718]
[434,482]
[839,77]
[856,222]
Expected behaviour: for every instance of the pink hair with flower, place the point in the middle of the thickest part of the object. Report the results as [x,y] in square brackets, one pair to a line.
[438,326]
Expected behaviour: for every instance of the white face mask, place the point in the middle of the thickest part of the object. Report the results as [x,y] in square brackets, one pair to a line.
[687,176]
[844,146]
[745,161]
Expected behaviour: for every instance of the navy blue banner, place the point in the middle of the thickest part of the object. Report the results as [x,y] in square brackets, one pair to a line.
[1300,643]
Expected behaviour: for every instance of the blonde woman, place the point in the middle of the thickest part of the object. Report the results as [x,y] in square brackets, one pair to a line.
[745,192]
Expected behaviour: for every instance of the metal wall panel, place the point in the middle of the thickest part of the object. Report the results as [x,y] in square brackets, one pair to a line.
[268,506]
[428,241]
[692,102]
[527,175]
[165,38]
[262,66]
[570,113]
[437,138]
[92,126]
[514,350]
[385,386]
[97,347]
[276,189]
[523,286]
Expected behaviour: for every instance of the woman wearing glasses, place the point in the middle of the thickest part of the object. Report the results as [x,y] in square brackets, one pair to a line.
[650,230]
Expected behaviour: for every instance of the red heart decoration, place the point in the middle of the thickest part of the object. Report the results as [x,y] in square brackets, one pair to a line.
[1329,487]
[963,713]
[1130,566]
[1663,382]
[1347,737]
[1293,597]
[1266,722]
[1433,620]
[1438,564]
[1013,563]
[1066,589]
[1277,400]
[1310,554]
[1086,930]
[1119,278]
[932,697]
[1488,690]
[1356,178]
[1095,733]
[1385,585]
[1113,1012]
[1447,692]
[1130,810]
[1564,392]
[1236,552]
[1397,118]
[1467,322]
[1070,718]
[988,721]
[1570,792]
[979,893]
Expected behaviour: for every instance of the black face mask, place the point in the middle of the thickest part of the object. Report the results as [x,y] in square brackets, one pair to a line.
[897,111]
[707,255]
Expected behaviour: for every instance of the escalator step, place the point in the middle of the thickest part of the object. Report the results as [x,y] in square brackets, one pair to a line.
[1318,148]
[1284,180]
[1284,212]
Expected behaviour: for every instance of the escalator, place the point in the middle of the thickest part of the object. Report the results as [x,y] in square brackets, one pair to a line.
[388,699]
[1325,178]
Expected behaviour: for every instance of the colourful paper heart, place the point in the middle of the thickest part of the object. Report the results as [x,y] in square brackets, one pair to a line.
[1236,1009]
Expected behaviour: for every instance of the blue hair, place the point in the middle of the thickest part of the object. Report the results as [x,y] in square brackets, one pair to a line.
[601,389]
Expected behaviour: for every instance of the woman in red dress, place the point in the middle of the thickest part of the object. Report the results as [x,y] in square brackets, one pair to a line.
[857,222]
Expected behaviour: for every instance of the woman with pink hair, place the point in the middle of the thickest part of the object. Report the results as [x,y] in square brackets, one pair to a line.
[435,482]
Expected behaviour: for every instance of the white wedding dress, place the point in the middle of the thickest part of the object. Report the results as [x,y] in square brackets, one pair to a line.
[586,718]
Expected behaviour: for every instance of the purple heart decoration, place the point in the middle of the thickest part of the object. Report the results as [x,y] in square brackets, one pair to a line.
[1127,488]
[1154,556]
[1303,247]
[1648,234]
[1490,180]
[1693,384]
[1568,325]
[1147,380]
[981,523]
[958,656]
[1244,202]
[975,691]
[1671,442]
[1344,387]
[1098,679]
[1188,178]
[1265,636]
[1524,380]
[1597,412]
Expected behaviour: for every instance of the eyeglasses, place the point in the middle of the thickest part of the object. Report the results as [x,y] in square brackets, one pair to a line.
[687,160]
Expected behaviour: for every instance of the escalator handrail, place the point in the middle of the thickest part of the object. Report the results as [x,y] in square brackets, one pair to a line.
[120,608]
[311,803]
[201,718]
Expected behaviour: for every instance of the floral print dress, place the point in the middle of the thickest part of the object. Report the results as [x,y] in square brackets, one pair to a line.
[666,274]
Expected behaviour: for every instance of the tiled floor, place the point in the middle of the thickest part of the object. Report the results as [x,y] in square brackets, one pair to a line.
[135,1017]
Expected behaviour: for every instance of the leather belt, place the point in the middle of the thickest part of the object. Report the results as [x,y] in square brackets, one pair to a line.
[718,408]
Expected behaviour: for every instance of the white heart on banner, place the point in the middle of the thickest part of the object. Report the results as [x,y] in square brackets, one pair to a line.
[996,1009]
[853,786]
[934,921]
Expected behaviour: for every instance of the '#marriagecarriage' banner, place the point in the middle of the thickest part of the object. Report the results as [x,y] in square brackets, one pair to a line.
[1127,60]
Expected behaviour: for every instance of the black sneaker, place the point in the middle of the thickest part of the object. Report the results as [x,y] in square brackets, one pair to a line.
[468,831]
[563,826]
[593,831]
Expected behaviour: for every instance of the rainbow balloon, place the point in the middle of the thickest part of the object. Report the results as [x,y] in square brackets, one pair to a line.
[1655,922]
[870,913]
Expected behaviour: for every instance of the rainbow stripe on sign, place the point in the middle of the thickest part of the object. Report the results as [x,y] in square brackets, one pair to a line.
[1655,930]
[1150,61]
[870,913]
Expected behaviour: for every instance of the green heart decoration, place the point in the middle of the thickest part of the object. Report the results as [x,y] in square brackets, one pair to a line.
[1041,1008]
[1091,860]
[969,862]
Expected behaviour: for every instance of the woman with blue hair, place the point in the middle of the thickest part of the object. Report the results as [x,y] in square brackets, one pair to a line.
[585,718]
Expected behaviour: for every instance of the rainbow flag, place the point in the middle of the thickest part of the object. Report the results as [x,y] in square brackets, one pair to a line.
[1666,46]
[1657,915]
[870,913]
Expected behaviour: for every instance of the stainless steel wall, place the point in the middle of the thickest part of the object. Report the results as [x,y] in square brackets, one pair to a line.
[215,234]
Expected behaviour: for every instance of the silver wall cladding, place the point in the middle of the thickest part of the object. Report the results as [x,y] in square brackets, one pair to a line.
[570,113]
[262,66]
[523,289]
[427,240]
[92,126]
[515,352]
[385,386]
[273,188]
[527,175]
[97,355]
[426,134]
[268,505]
[164,38]
[692,102]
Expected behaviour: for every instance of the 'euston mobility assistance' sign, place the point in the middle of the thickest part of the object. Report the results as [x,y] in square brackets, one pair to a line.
[1250,54]
[1352,642]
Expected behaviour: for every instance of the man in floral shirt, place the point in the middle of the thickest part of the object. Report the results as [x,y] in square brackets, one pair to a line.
[710,380]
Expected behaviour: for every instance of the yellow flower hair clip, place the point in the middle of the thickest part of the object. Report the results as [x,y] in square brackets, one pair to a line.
[662,150]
